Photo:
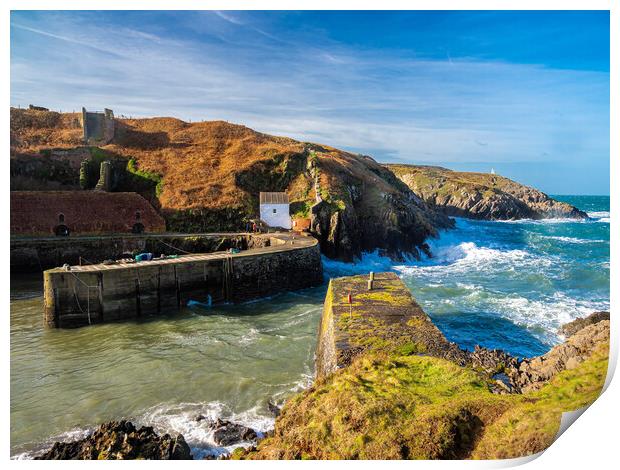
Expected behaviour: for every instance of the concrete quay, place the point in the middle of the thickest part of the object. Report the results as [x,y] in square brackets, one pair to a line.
[90,294]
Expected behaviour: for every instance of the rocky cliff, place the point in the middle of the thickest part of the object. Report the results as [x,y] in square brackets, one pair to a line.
[206,176]
[481,195]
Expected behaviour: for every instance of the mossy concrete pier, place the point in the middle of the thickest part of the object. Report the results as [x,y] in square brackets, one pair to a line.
[84,295]
[385,317]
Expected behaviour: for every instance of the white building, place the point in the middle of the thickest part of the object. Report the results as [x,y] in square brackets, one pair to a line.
[274,210]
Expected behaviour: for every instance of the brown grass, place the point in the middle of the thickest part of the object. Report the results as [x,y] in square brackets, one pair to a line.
[204,164]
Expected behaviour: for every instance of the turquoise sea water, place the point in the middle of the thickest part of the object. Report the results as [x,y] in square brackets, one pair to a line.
[510,285]
[506,285]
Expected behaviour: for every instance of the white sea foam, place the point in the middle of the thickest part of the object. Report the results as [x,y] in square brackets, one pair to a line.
[181,419]
[74,434]
[190,339]
[249,337]
[579,241]
[468,257]
[548,313]
[549,221]
[599,214]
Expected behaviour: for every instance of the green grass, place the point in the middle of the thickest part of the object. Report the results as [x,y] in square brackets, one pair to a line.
[406,406]
[155,178]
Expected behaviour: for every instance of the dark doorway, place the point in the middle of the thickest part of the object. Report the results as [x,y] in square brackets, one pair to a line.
[61,230]
[138,227]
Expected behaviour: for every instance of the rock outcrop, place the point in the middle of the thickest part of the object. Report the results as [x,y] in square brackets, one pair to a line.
[573,327]
[227,433]
[481,195]
[121,440]
[532,374]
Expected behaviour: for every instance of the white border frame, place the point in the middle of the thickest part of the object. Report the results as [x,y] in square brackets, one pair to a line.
[589,443]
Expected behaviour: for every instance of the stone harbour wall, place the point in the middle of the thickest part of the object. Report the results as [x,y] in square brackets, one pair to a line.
[387,317]
[93,294]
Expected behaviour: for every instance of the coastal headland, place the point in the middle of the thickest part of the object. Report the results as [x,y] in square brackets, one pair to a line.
[486,196]
[206,177]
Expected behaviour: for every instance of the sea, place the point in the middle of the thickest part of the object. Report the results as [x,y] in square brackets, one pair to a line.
[507,285]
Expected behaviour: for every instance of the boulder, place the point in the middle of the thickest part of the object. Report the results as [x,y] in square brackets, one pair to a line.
[227,433]
[274,409]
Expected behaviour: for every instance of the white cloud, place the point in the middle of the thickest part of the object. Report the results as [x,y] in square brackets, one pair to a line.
[383,104]
[228,17]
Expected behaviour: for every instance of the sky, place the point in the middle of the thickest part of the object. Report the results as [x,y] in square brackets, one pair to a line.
[524,93]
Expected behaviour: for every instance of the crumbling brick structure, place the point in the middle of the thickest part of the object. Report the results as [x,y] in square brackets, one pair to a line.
[41,213]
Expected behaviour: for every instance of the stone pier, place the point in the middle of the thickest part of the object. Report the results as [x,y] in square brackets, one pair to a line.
[384,318]
[86,295]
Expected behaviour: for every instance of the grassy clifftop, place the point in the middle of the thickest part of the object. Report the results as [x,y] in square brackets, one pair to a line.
[208,176]
[398,406]
[480,195]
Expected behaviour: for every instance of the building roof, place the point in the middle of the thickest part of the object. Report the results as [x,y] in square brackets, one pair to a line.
[273,198]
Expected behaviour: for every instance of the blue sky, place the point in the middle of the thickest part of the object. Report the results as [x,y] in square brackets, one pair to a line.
[525,93]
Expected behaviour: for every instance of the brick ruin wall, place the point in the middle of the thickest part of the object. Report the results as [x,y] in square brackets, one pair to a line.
[38,213]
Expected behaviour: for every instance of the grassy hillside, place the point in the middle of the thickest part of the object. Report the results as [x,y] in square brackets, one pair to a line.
[206,176]
[480,195]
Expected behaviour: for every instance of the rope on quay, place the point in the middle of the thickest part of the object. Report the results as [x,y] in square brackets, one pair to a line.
[175,248]
[77,299]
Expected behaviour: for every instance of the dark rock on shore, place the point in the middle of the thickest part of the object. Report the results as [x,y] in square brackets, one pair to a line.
[494,363]
[121,440]
[481,195]
[274,409]
[491,361]
[227,433]
[573,327]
